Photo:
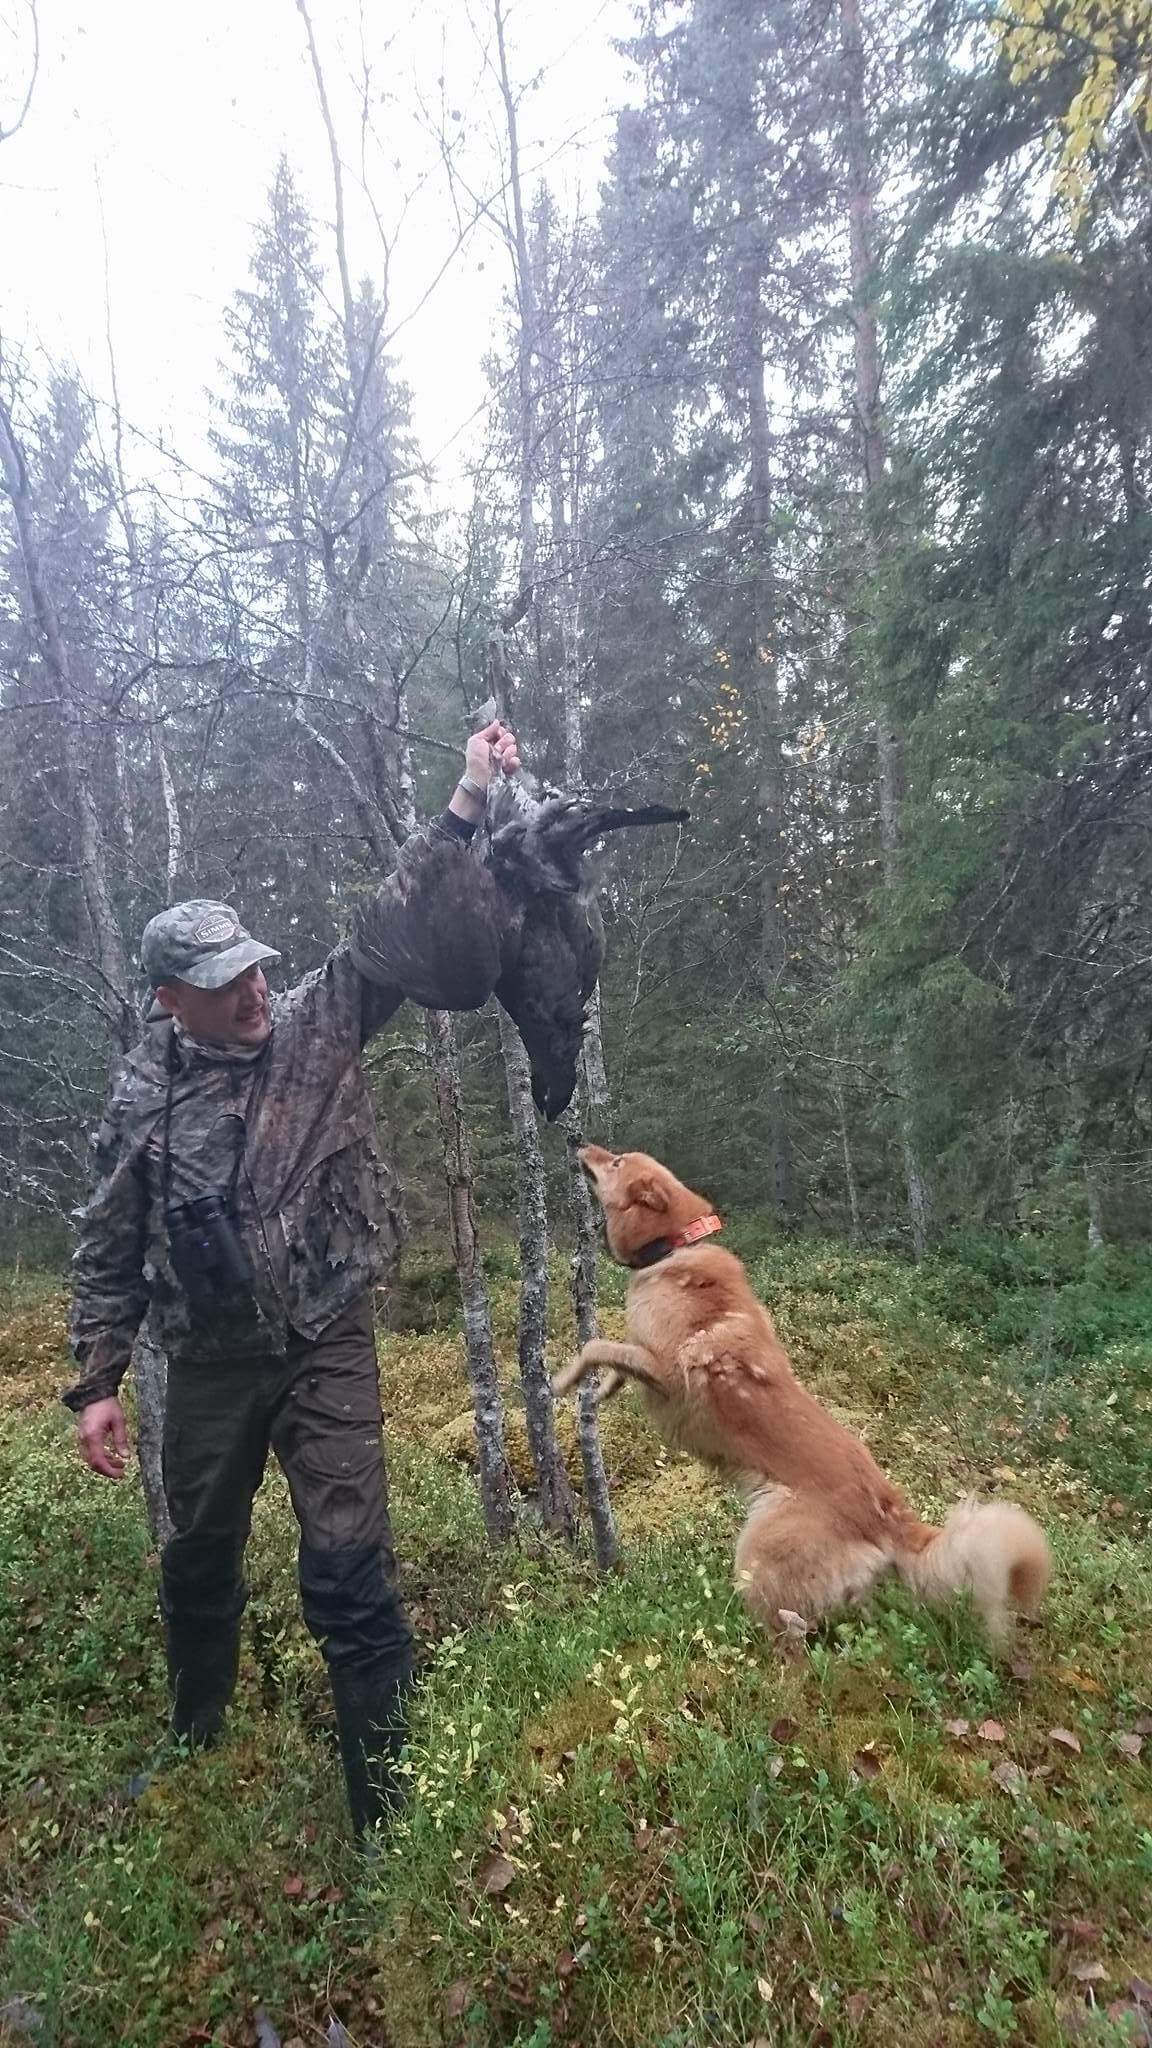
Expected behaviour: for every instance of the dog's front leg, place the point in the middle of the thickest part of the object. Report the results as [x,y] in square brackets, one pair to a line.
[627,1362]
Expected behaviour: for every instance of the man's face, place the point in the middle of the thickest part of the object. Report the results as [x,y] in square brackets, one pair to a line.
[237,1014]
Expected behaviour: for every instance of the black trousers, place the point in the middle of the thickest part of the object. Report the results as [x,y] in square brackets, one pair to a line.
[318,1409]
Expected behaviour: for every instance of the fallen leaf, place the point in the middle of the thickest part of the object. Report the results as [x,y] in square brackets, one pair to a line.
[512,1831]
[990,1731]
[764,1987]
[1143,1726]
[755,1923]
[292,1887]
[775,1766]
[333,1896]
[457,1999]
[1079,1930]
[20,2017]
[1078,1680]
[496,1874]
[1129,1745]
[1010,1778]
[784,1729]
[866,1763]
[794,1624]
[1023,1670]
[957,1727]
[855,2006]
[643,1837]
[1065,1738]
[1089,1973]
[1133,2018]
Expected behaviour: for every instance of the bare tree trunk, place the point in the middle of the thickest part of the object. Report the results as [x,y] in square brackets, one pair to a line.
[557,1506]
[496,1482]
[496,1496]
[388,817]
[874,453]
[763,697]
[95,882]
[174,857]
[525,326]
[564,484]
[1095,1210]
[849,1170]
[150,1376]
[597,1494]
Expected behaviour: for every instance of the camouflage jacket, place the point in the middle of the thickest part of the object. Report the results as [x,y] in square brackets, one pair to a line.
[289,1127]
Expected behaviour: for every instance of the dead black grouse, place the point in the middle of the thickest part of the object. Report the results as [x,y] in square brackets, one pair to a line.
[535,931]
[534,845]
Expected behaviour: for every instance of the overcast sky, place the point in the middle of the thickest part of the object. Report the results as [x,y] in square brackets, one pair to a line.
[154,132]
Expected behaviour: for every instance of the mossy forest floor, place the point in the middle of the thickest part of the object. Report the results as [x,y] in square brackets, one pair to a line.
[631,1823]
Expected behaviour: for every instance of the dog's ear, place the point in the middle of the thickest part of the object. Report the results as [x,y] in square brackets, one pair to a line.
[647,1193]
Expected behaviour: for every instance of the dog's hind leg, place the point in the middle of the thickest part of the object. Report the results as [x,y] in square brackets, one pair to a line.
[627,1362]
[794,1558]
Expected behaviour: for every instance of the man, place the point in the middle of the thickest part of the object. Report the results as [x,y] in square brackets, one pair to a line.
[241,1203]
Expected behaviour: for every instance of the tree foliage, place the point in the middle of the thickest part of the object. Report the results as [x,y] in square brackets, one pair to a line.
[727,566]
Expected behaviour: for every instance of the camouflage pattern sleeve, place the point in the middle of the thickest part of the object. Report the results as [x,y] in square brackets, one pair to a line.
[440,931]
[110,1292]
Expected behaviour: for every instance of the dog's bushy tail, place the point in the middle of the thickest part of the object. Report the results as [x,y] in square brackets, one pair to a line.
[992,1550]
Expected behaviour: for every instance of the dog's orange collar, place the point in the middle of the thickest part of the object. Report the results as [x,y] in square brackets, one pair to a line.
[704,1226]
[663,1247]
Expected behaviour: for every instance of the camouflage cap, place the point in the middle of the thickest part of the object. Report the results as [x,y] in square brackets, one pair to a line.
[199,942]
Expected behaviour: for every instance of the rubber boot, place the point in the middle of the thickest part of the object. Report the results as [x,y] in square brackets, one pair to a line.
[203,1662]
[372,1727]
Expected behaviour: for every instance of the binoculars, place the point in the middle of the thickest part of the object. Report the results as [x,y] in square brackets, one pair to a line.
[207,1256]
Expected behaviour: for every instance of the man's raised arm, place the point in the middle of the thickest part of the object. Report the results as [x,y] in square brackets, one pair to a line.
[438,930]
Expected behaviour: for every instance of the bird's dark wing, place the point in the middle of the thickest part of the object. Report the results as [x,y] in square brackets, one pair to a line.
[535,843]
[441,929]
[546,991]
[539,844]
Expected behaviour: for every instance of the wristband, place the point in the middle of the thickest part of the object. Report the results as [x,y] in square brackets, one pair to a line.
[472,788]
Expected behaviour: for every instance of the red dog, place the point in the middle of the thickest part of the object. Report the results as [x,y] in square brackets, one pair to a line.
[824,1520]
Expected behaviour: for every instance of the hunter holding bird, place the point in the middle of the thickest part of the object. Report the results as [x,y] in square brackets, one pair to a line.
[242,1205]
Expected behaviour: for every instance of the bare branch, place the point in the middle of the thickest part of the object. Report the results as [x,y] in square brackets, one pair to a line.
[13,126]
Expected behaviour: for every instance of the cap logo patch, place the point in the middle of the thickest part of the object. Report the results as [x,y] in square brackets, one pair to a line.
[214,928]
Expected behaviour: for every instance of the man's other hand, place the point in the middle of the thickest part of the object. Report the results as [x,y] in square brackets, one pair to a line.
[104,1437]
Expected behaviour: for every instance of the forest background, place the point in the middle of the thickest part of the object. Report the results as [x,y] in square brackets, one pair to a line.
[810,489]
